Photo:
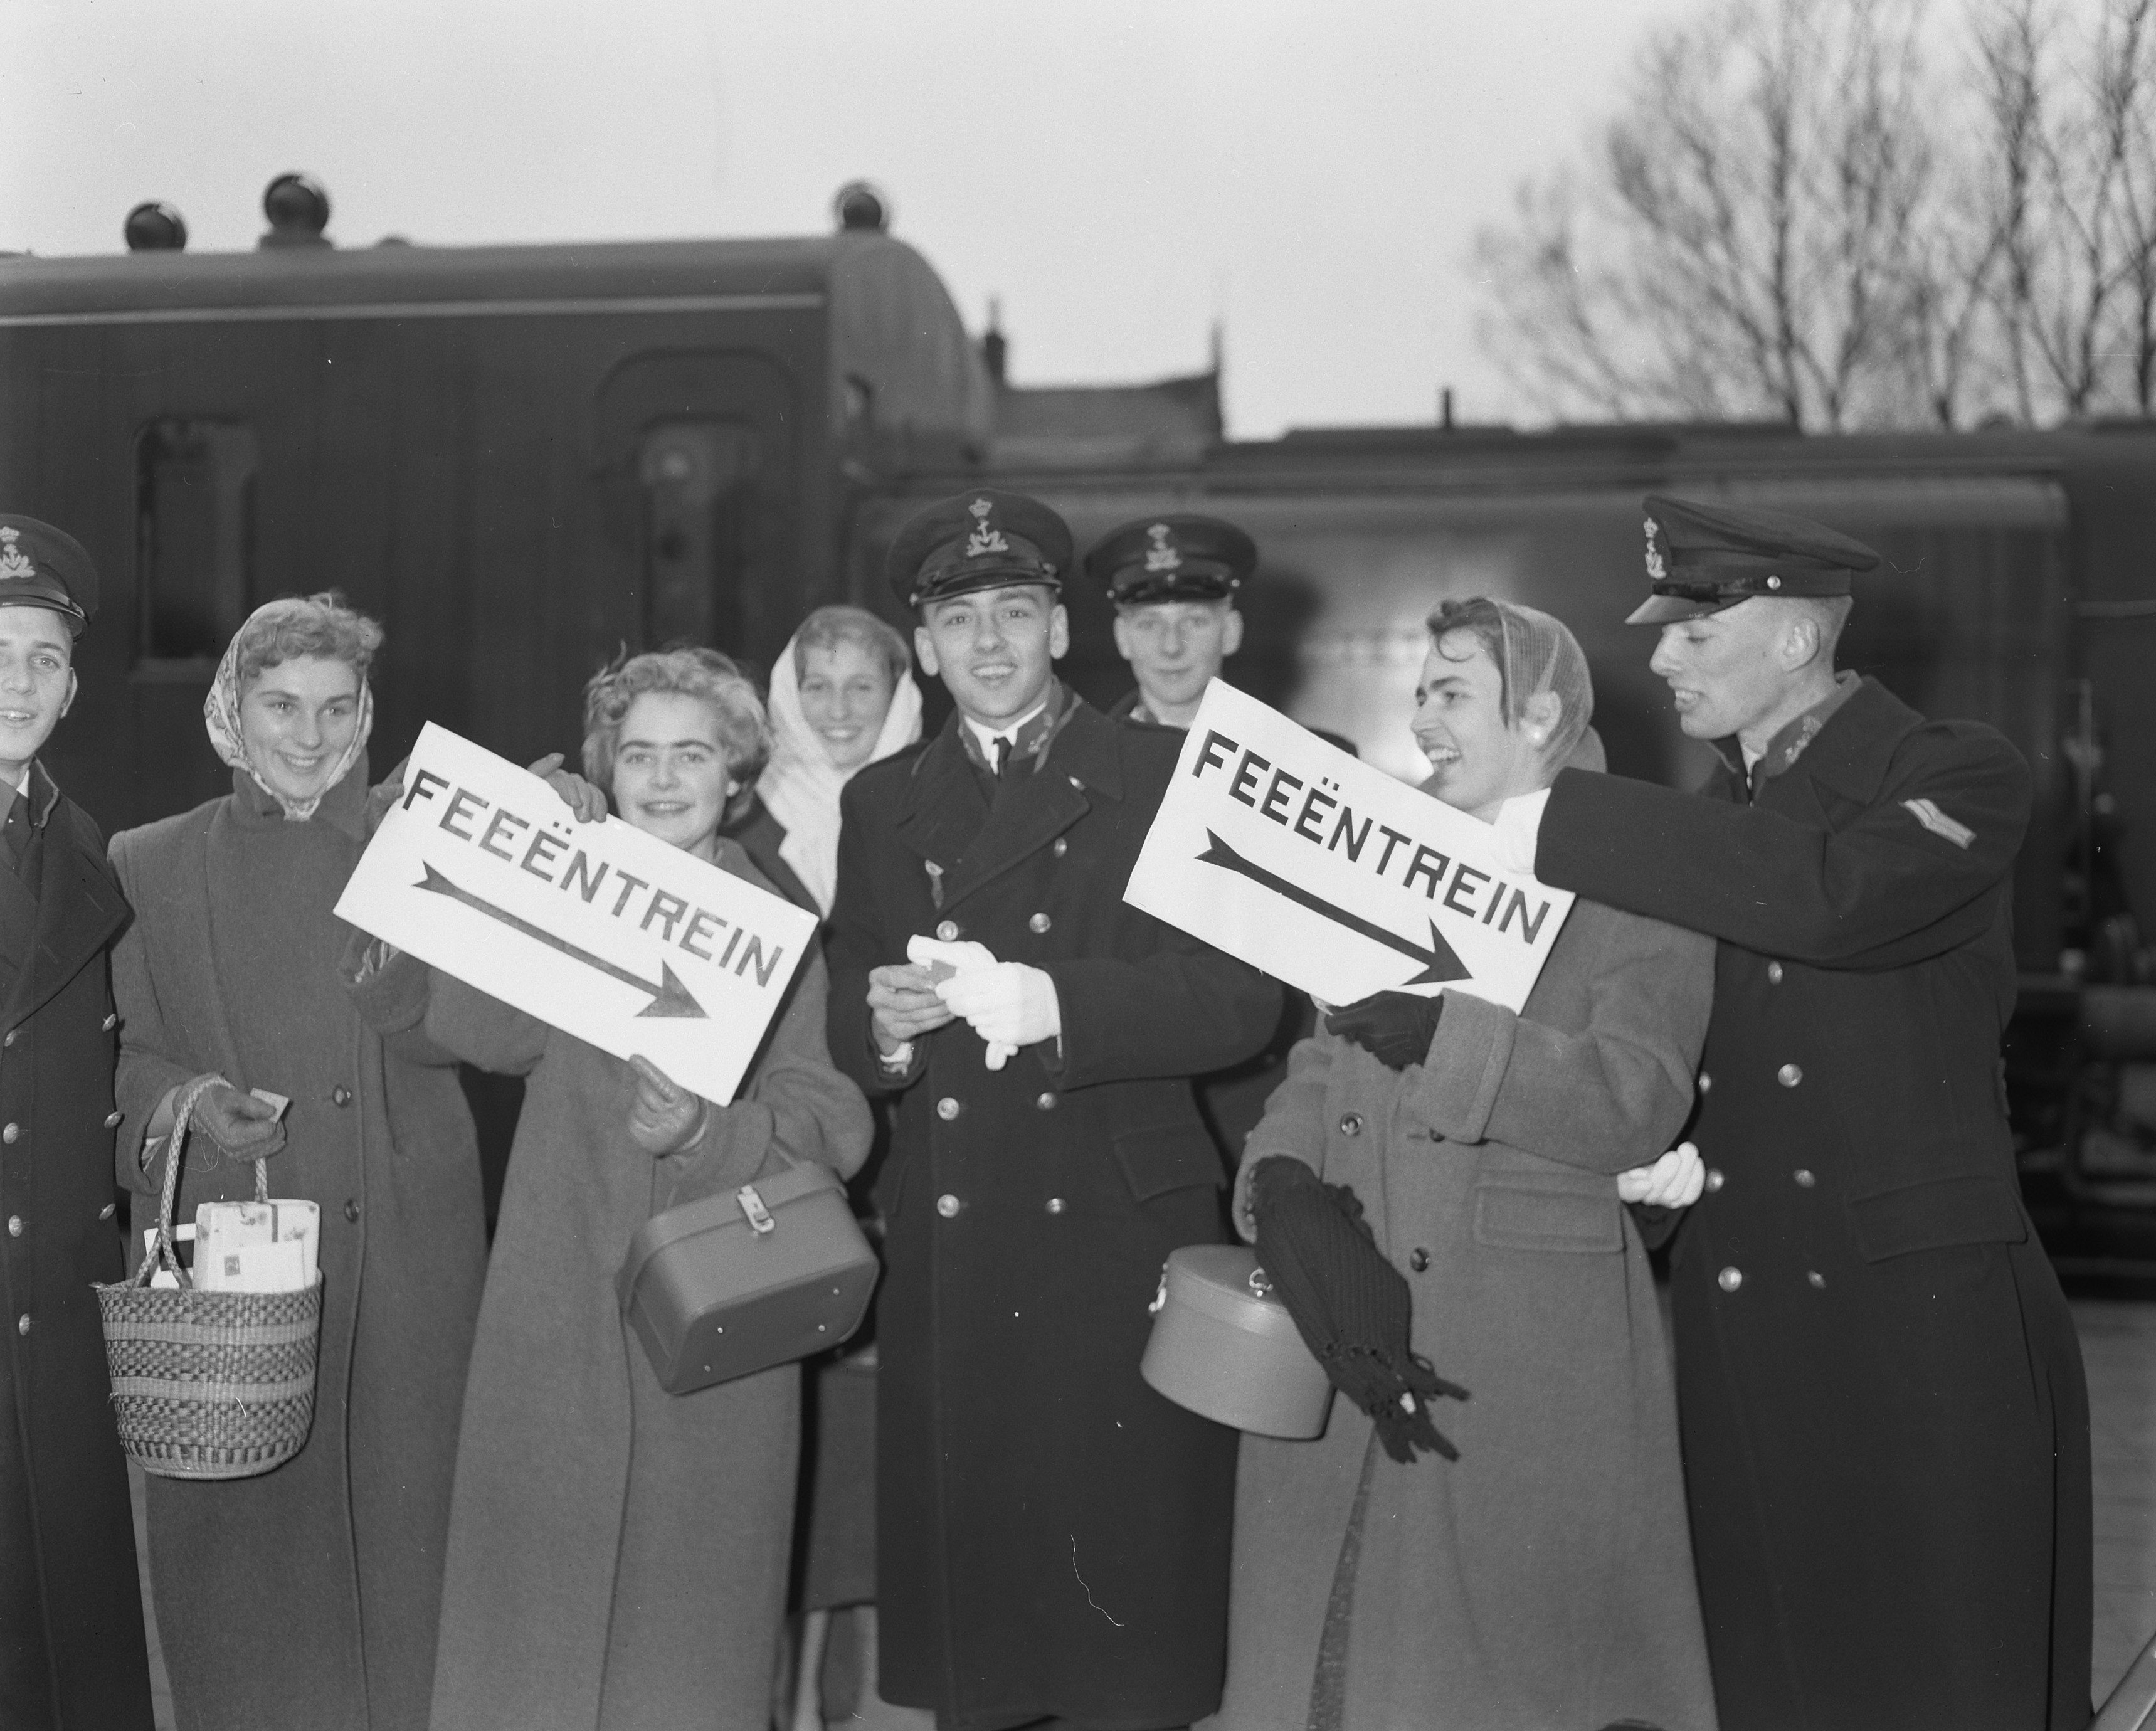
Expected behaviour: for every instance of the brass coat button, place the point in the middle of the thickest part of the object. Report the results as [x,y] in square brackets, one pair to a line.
[1730,1279]
[111,1021]
[23,1324]
[1351,1123]
[1046,1102]
[1714,1178]
[1705,1083]
[15,1225]
[105,1212]
[352,1212]
[1804,1178]
[112,1120]
[947,932]
[11,1135]
[9,1038]
[1061,847]
[1816,1278]
[340,1095]
[1418,1259]
[1789,1075]
[948,1206]
[1773,973]
[1056,1204]
[1038,924]
[947,1108]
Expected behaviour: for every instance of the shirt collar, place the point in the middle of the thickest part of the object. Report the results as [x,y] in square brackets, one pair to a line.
[1029,735]
[1790,740]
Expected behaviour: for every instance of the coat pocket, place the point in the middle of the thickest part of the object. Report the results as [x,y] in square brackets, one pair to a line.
[1936,1215]
[1167,1157]
[1522,1212]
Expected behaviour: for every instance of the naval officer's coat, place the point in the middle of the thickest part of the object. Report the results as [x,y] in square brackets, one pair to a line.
[1052,1534]
[71,1646]
[1885,1423]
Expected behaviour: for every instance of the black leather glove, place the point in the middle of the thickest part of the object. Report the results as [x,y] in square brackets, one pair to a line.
[1395,1028]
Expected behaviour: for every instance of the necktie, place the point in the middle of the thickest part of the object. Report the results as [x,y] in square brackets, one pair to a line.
[15,832]
[1003,758]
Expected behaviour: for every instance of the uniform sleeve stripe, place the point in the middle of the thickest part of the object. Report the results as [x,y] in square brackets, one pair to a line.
[1939,823]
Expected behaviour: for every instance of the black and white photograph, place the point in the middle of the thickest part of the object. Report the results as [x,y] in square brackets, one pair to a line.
[936,866]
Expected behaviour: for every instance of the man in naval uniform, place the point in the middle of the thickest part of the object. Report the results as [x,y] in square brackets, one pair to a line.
[1174,580]
[1885,1423]
[1052,1534]
[71,1646]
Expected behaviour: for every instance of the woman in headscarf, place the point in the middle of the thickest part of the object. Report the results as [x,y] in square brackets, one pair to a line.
[616,1555]
[843,697]
[1543,1576]
[307,1596]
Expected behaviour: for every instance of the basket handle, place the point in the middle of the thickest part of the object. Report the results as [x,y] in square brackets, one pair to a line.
[161,1251]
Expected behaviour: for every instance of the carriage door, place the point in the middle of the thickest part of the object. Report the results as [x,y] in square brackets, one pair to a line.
[697,462]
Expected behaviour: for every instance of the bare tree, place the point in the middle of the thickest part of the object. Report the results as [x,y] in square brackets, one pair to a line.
[1791,219]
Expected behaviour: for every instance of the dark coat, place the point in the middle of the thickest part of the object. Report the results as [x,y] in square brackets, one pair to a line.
[1542,1579]
[71,1647]
[616,1554]
[1885,1427]
[309,1594]
[1052,1534]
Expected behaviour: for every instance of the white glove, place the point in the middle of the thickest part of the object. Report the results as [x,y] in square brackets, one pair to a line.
[1009,1005]
[1674,1181]
[1518,826]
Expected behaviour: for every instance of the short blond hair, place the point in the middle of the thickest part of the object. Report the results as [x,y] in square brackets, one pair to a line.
[703,673]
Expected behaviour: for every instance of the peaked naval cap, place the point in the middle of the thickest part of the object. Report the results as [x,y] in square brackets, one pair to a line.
[1701,558]
[1180,556]
[43,567]
[981,539]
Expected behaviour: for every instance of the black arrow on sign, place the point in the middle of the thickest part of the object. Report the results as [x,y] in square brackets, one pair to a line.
[1438,961]
[669,998]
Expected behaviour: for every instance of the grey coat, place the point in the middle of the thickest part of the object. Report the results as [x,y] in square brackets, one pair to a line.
[1544,1579]
[616,1555]
[307,1595]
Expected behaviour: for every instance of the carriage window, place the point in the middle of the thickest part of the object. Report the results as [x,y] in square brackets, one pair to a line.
[696,529]
[194,527]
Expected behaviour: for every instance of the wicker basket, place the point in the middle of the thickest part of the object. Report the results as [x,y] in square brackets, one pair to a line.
[208,1385]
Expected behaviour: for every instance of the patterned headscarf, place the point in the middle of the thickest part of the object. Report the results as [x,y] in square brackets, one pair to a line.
[221,714]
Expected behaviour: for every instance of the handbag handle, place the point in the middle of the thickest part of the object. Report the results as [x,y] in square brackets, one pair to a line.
[161,1251]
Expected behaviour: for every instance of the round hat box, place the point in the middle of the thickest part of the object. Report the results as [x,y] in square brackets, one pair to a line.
[1224,1347]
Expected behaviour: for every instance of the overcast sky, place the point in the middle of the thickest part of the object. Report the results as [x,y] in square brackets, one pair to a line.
[1118,172]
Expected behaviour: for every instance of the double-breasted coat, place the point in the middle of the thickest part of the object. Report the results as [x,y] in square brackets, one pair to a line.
[1886,1426]
[310,1593]
[616,1555]
[71,1646]
[1544,1578]
[1052,1534]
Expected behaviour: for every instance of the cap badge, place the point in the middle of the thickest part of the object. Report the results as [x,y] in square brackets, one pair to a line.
[986,537]
[14,562]
[1657,571]
[1161,555]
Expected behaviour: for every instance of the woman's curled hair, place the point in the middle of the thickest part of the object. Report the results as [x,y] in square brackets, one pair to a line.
[321,627]
[703,673]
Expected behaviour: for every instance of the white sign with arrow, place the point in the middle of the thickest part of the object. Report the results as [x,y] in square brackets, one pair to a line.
[1308,863]
[597,929]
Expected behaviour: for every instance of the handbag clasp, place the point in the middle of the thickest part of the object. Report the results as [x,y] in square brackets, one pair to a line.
[751,1205]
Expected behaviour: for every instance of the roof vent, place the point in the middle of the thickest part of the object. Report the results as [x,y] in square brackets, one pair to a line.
[155,227]
[298,210]
[862,208]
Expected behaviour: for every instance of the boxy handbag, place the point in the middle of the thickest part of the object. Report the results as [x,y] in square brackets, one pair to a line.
[737,1282]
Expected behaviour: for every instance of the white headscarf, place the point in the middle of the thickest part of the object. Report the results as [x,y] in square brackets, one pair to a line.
[799,785]
[221,715]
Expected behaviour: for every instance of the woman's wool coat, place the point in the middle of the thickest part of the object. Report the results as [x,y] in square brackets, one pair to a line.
[307,1595]
[618,1554]
[1544,1579]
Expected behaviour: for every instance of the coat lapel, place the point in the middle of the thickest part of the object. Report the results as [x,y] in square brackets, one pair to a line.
[1080,763]
[79,911]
